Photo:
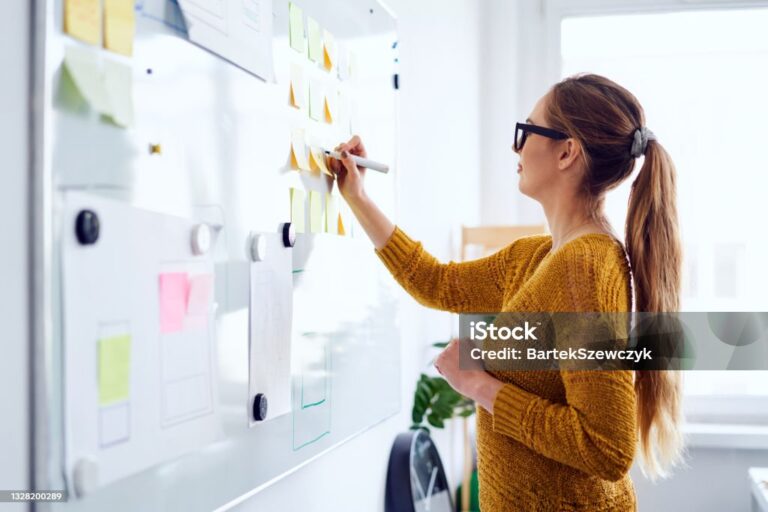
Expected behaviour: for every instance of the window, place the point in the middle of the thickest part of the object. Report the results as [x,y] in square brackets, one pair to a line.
[701,77]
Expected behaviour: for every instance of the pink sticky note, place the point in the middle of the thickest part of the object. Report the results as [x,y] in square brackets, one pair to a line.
[200,290]
[174,290]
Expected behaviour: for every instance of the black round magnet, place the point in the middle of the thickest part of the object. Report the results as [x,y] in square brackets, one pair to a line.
[87,227]
[260,407]
[289,235]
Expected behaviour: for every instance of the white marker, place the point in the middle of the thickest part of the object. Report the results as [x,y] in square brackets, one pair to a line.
[362,162]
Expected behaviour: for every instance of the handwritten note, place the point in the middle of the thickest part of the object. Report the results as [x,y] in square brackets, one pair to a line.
[119,26]
[114,369]
[82,20]
[174,290]
[317,160]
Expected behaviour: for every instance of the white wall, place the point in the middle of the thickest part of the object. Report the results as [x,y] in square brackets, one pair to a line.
[14,223]
[438,189]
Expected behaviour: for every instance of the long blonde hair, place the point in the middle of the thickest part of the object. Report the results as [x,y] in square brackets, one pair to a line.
[603,117]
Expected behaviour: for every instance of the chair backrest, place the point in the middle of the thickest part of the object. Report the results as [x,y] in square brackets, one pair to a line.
[492,238]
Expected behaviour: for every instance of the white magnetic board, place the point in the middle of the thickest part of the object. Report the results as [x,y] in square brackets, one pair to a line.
[225,139]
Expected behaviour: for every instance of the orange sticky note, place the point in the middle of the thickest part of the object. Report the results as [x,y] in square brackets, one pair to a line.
[317,161]
[298,94]
[299,151]
[82,20]
[329,50]
[341,229]
[119,26]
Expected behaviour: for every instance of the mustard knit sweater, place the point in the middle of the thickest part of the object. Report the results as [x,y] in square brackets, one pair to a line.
[557,440]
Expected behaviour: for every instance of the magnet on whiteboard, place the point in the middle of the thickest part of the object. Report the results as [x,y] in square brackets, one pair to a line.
[85,476]
[201,239]
[87,227]
[289,234]
[260,407]
[258,248]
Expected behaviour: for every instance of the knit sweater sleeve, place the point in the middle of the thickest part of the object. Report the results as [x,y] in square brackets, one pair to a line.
[595,429]
[467,287]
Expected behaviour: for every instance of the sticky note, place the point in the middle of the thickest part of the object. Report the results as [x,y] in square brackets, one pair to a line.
[84,66]
[315,212]
[317,161]
[340,226]
[331,214]
[329,50]
[342,61]
[296,27]
[200,293]
[315,39]
[82,20]
[114,369]
[119,26]
[330,100]
[174,289]
[316,100]
[118,82]
[298,91]
[299,151]
[297,209]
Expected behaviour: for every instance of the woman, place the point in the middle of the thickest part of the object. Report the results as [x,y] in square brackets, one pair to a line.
[560,440]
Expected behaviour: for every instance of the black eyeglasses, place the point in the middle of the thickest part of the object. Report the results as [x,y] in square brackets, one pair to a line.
[522,130]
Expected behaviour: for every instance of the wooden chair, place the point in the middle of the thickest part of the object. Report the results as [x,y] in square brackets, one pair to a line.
[488,239]
[492,238]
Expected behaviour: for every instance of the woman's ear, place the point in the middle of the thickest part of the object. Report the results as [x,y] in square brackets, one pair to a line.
[568,153]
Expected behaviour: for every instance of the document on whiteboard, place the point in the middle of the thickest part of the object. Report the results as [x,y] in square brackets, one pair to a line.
[237,30]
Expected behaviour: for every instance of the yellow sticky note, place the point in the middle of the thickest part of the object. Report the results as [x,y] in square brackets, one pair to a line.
[298,92]
[114,369]
[329,50]
[317,161]
[331,214]
[118,82]
[340,227]
[316,100]
[297,210]
[84,66]
[296,27]
[299,151]
[82,19]
[315,212]
[329,110]
[119,26]
[315,39]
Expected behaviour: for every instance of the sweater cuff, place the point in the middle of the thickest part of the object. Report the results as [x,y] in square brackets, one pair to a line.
[397,251]
[509,410]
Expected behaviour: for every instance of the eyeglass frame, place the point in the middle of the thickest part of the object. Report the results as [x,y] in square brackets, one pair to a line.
[538,130]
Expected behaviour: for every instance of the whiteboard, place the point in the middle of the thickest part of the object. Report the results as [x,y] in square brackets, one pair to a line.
[225,161]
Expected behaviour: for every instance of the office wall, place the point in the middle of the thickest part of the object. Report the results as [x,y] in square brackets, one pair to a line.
[14,223]
[438,189]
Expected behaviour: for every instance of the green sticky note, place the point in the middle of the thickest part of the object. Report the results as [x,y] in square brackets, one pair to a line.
[315,36]
[315,212]
[297,209]
[296,28]
[316,100]
[114,369]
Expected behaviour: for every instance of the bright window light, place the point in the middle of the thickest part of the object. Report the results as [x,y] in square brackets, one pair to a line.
[702,79]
